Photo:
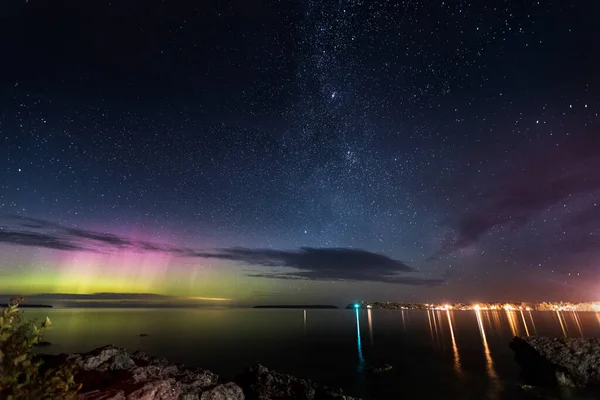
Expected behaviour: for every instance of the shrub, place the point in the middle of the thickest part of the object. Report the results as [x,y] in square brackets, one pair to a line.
[20,375]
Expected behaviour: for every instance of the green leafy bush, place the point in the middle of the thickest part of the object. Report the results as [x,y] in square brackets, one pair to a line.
[20,375]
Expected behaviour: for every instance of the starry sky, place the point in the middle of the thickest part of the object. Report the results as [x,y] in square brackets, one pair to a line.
[243,152]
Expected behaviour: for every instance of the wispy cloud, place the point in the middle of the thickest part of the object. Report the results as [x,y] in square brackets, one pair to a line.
[26,231]
[344,264]
[529,187]
[589,216]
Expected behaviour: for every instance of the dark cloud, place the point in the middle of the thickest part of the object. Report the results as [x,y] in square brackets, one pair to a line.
[309,257]
[37,240]
[109,239]
[324,264]
[33,226]
[342,264]
[529,187]
[314,275]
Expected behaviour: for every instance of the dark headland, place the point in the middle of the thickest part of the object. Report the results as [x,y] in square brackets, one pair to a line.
[299,306]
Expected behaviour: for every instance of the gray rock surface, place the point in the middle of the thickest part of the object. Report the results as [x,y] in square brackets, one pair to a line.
[106,358]
[223,392]
[573,362]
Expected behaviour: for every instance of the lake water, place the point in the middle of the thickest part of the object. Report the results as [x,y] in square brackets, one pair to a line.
[434,354]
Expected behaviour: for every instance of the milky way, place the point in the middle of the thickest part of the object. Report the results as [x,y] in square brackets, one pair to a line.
[244,150]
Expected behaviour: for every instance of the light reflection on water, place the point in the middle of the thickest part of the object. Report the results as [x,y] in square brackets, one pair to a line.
[533,323]
[361,359]
[524,323]
[370,326]
[495,388]
[454,346]
[459,351]
[486,349]
[404,321]
[576,318]
[511,321]
[562,323]
[430,326]
[304,323]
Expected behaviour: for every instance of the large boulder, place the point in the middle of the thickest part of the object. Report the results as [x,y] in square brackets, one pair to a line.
[573,362]
[260,383]
[107,358]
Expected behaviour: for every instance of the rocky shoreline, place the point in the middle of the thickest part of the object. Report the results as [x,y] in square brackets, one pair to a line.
[111,373]
[570,362]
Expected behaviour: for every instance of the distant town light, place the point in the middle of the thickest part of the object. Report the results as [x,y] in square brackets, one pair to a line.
[356,305]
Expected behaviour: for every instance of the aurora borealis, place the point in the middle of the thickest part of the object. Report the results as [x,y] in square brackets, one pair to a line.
[318,151]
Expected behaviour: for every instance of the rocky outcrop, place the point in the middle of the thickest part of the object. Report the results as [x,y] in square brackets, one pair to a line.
[111,373]
[260,383]
[573,362]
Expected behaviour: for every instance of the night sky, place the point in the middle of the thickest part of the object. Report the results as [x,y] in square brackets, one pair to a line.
[301,151]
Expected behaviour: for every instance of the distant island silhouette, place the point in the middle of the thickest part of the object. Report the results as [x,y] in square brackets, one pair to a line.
[29,305]
[299,306]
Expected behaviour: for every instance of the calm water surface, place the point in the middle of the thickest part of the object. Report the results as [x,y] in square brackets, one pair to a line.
[435,354]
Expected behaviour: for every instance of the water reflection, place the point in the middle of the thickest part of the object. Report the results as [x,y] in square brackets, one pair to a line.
[576,318]
[304,322]
[370,326]
[532,323]
[497,323]
[430,326]
[361,359]
[435,328]
[438,327]
[486,349]
[524,323]
[404,320]
[457,366]
[511,321]
[495,383]
[562,325]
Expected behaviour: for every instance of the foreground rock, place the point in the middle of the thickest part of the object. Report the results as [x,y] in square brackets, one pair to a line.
[111,373]
[573,362]
[260,383]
